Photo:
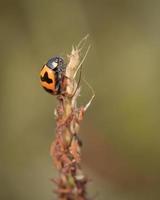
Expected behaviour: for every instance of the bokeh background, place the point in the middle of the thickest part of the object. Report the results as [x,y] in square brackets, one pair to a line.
[121,130]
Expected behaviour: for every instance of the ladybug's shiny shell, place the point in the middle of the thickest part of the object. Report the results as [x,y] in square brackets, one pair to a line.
[52,75]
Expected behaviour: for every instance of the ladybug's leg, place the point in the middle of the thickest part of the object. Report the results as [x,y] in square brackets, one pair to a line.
[58,82]
[58,87]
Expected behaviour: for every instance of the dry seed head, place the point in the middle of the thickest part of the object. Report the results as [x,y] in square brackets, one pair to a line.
[66,149]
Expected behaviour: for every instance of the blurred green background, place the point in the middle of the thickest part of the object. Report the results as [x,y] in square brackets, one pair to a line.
[120,131]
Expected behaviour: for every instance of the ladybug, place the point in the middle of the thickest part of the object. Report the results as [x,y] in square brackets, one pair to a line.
[52,76]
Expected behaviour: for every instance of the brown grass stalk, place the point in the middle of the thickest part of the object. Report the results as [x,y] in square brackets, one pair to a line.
[66,148]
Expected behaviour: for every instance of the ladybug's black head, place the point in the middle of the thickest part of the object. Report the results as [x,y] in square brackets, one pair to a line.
[55,62]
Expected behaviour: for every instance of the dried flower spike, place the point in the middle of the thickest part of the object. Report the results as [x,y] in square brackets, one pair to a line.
[66,148]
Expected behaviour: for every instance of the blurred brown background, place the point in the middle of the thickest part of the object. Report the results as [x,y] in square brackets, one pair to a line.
[121,130]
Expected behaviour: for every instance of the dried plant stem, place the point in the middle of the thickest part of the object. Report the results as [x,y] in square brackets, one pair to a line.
[66,148]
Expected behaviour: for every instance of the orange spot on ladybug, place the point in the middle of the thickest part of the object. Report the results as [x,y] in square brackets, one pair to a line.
[47,79]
